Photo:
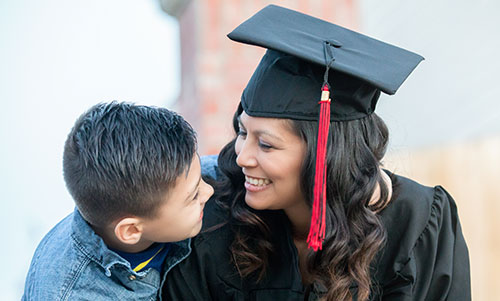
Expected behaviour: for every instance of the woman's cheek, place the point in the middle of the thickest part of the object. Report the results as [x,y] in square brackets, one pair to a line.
[237,145]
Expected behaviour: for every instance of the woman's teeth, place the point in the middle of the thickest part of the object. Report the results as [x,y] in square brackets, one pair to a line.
[257,182]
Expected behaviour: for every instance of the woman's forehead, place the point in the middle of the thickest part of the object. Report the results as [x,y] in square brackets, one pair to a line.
[254,120]
[280,127]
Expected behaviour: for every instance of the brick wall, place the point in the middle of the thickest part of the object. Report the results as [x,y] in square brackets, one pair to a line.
[215,70]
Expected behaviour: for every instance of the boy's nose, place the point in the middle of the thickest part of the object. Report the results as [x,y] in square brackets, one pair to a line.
[209,192]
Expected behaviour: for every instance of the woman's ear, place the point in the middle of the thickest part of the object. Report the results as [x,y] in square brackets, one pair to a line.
[129,230]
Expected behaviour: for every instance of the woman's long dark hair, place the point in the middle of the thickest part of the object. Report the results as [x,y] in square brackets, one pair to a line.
[354,233]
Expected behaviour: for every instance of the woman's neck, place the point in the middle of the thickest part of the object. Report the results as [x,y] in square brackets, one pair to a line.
[300,219]
[300,214]
[376,193]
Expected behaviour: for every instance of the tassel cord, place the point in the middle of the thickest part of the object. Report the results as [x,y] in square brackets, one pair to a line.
[318,227]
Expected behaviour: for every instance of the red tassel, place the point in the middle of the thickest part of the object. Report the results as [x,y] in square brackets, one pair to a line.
[317,230]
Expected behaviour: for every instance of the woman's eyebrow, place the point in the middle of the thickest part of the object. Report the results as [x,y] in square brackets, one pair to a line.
[261,132]
[266,133]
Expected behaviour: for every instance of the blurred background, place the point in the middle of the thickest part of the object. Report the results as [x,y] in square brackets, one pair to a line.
[59,57]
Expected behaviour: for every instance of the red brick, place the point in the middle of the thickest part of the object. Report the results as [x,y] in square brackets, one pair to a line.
[215,70]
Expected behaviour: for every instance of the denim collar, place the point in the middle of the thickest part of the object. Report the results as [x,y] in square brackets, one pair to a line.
[92,245]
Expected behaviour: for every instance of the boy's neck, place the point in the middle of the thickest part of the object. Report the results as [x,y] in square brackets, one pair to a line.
[111,241]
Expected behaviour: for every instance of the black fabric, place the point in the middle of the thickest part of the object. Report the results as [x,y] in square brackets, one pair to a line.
[425,257]
[284,86]
[287,83]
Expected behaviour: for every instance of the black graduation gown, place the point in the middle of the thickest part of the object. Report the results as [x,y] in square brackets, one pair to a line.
[425,257]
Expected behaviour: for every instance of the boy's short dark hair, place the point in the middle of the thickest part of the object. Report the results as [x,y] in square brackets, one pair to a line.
[120,159]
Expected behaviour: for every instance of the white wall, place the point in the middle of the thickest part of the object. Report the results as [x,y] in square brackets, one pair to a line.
[445,120]
[58,58]
[454,94]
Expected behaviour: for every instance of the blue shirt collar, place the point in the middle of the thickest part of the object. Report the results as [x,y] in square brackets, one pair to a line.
[94,247]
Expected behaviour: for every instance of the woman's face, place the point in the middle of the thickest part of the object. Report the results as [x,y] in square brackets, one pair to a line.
[270,155]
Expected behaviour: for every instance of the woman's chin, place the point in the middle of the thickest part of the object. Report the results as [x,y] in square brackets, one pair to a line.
[255,203]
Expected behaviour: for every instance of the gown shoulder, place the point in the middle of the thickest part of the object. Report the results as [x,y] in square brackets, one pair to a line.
[425,257]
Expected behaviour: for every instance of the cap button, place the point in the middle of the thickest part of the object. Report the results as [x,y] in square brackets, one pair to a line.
[334,43]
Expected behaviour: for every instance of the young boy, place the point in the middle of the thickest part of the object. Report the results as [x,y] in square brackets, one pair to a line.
[136,180]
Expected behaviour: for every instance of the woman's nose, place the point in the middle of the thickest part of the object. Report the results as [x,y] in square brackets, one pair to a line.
[245,154]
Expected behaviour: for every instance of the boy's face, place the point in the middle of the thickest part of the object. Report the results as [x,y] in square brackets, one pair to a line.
[181,214]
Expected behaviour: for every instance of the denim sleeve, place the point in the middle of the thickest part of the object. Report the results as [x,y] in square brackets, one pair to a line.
[209,166]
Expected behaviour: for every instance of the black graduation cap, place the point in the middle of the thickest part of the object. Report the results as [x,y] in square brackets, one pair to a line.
[308,58]
[287,83]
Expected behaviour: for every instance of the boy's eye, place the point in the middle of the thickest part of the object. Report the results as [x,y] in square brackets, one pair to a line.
[196,196]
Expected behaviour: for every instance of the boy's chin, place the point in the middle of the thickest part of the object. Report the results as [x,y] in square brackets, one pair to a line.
[198,230]
[195,232]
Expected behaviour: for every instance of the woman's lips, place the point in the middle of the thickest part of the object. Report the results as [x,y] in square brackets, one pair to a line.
[257,181]
[255,188]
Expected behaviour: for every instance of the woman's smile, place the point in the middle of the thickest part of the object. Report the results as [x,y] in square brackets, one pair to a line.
[256,184]
[270,155]
[257,181]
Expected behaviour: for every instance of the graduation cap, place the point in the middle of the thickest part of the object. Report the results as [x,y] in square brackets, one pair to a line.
[307,60]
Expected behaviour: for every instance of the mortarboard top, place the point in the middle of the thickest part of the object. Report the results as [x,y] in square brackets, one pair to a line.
[287,83]
[307,58]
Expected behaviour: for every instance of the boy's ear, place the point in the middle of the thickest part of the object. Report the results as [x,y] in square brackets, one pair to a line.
[129,230]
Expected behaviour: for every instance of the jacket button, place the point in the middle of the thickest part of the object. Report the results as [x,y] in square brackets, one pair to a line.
[334,43]
[131,277]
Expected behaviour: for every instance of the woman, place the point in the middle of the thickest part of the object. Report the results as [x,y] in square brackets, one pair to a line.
[303,210]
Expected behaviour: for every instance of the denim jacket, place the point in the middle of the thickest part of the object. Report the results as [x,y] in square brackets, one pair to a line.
[73,263]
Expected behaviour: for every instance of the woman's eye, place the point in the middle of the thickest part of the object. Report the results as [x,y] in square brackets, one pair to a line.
[264,145]
[242,133]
